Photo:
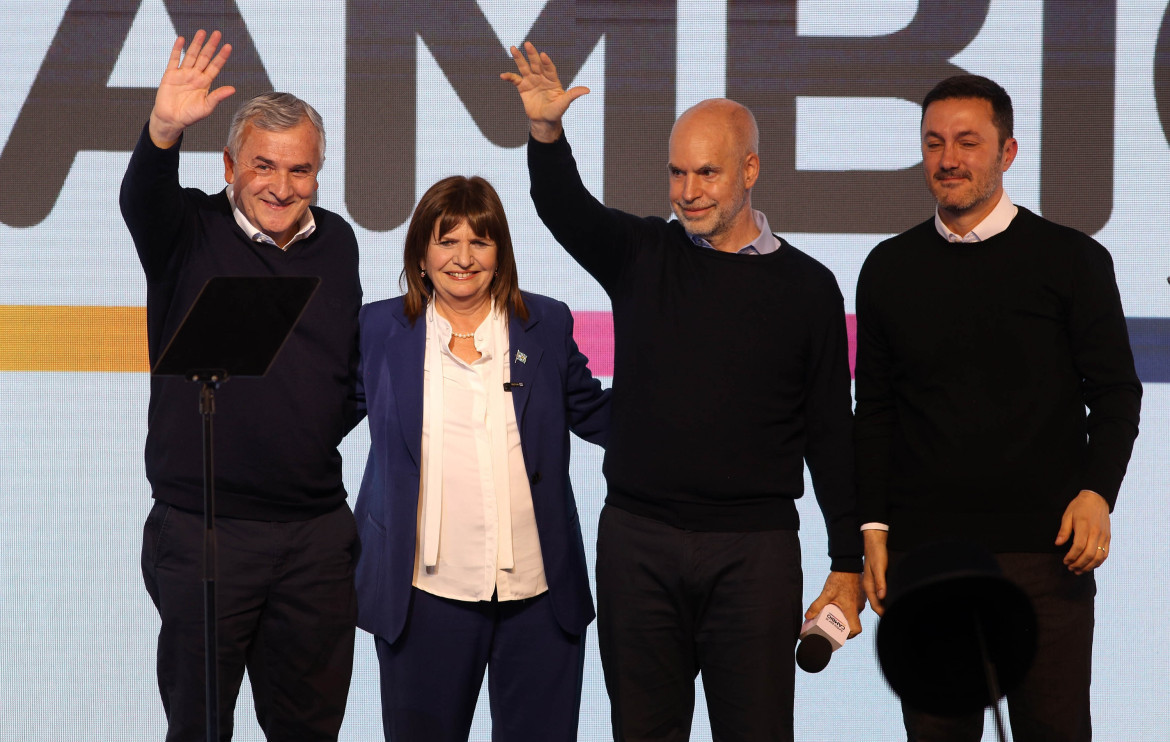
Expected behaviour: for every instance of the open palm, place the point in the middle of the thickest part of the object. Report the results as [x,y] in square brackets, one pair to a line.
[184,95]
[545,99]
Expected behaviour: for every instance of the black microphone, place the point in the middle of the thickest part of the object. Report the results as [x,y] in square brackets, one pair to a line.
[820,637]
[510,385]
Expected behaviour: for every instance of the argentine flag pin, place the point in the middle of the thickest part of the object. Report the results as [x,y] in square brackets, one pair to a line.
[520,357]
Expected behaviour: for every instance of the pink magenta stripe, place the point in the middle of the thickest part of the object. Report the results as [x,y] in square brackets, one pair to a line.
[594,334]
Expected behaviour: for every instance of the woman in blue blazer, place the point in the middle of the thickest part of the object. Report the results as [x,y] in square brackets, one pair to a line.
[471,549]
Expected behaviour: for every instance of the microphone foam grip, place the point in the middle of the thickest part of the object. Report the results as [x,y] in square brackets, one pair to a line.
[813,653]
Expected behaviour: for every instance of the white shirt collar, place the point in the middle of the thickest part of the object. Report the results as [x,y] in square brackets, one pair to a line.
[997,221]
[307,226]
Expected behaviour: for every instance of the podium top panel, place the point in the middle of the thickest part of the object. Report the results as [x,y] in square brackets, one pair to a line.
[236,326]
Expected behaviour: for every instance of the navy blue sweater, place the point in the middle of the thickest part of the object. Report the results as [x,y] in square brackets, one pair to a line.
[730,371]
[276,438]
[975,364]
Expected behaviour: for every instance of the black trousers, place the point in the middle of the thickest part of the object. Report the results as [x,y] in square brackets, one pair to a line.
[1052,702]
[286,611]
[673,603]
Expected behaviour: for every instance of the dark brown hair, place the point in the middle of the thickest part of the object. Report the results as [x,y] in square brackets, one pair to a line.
[448,203]
[981,88]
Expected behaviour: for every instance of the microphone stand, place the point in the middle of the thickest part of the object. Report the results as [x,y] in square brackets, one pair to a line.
[992,684]
[210,379]
[236,323]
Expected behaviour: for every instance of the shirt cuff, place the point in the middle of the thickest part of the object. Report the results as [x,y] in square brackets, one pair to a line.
[874,527]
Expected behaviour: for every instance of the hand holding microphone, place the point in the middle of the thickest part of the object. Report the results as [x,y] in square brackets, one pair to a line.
[820,636]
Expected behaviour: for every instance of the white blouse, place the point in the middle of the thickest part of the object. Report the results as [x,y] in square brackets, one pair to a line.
[477,530]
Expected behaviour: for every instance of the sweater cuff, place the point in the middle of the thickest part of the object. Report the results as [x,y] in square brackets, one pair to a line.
[146,144]
[561,143]
[845,564]
[1110,501]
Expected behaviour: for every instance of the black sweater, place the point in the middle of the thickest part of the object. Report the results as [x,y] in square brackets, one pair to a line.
[975,363]
[730,371]
[276,438]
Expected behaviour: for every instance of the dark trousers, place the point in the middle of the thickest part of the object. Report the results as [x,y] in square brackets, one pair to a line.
[286,611]
[431,675]
[674,603]
[1052,702]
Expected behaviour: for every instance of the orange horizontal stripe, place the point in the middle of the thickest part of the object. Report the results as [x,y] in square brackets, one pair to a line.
[113,339]
[71,338]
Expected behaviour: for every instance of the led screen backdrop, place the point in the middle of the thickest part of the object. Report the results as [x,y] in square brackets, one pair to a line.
[409,94]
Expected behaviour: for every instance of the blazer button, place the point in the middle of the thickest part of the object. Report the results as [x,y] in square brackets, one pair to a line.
[535,478]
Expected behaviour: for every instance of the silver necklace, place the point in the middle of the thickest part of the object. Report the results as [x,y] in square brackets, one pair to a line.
[462,335]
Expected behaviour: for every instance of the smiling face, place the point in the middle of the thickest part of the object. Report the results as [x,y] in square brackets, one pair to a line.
[711,175]
[461,265]
[274,177]
[963,160]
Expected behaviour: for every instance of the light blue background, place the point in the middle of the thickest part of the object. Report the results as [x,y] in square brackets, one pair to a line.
[77,629]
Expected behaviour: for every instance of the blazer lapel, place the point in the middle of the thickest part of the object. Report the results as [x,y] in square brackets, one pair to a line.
[404,356]
[523,357]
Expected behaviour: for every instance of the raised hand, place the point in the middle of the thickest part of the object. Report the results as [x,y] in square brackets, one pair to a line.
[185,96]
[545,100]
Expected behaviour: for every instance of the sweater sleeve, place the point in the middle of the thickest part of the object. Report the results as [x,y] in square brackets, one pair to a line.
[153,205]
[828,421]
[600,239]
[876,416]
[1104,359]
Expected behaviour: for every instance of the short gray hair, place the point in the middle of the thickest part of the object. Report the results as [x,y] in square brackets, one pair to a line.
[273,112]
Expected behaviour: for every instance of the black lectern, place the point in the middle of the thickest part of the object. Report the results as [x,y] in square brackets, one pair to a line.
[235,327]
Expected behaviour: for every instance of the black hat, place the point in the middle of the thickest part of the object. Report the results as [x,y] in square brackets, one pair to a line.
[945,601]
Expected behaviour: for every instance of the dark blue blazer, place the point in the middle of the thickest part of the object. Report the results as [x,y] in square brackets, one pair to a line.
[558,394]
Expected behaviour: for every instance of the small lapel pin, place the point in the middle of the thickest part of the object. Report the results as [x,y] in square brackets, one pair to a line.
[521,357]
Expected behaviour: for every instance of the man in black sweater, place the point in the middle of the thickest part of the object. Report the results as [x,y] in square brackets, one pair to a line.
[983,334]
[730,372]
[287,542]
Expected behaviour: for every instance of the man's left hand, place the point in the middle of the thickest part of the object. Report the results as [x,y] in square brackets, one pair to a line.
[1086,520]
[844,589]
